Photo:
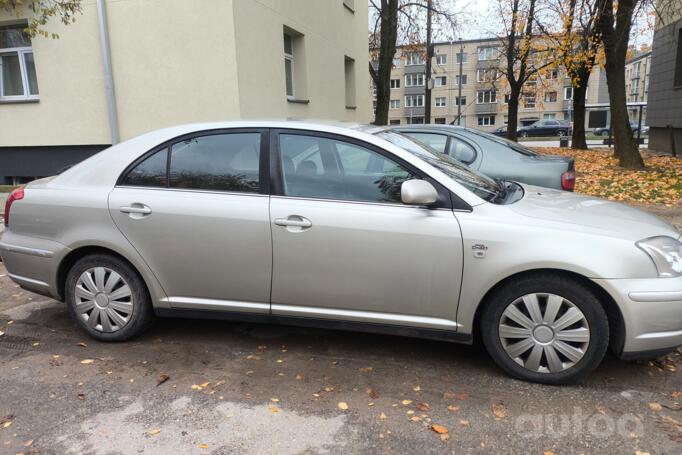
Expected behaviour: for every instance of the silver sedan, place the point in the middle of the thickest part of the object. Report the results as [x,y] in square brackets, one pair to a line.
[353,228]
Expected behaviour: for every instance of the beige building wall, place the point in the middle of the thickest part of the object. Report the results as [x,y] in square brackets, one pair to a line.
[179,61]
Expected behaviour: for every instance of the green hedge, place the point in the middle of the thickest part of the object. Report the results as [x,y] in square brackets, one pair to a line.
[7,188]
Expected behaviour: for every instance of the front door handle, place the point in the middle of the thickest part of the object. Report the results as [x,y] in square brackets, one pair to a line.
[294,221]
[136,210]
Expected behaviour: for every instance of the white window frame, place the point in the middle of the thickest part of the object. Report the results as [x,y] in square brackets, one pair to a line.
[464,77]
[548,99]
[492,96]
[529,102]
[440,81]
[481,74]
[461,56]
[566,90]
[459,99]
[486,120]
[394,104]
[410,77]
[396,62]
[441,59]
[487,52]
[21,54]
[410,61]
[418,98]
[290,58]
[548,116]
[441,101]
[397,85]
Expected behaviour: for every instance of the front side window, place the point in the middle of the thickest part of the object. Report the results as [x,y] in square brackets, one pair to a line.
[221,162]
[437,142]
[18,79]
[323,168]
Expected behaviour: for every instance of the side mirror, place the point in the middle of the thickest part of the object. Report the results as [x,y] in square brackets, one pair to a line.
[418,192]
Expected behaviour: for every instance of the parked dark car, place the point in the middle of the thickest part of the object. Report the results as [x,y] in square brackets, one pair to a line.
[494,156]
[546,128]
[501,131]
[634,126]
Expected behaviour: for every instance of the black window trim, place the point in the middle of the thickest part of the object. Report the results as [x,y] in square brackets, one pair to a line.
[263,164]
[446,199]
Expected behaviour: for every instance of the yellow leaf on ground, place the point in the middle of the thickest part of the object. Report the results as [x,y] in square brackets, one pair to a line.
[153,432]
[406,402]
[203,446]
[382,416]
[87,361]
[440,429]
[274,409]
[655,406]
[452,408]
[499,411]
[343,405]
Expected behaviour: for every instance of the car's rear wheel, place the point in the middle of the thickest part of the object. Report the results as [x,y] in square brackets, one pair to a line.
[108,298]
[545,328]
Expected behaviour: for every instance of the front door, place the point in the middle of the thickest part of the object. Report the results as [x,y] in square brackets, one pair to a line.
[346,248]
[197,212]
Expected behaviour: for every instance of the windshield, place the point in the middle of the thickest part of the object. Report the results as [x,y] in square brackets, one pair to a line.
[482,186]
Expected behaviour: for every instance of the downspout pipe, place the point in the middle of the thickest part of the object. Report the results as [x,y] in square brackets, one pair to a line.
[112,110]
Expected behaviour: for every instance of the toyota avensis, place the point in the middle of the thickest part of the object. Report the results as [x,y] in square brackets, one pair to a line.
[355,228]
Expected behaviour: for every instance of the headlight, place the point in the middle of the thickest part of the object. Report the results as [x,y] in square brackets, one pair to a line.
[666,252]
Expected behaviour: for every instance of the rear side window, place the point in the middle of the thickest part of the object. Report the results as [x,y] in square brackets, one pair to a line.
[435,141]
[221,162]
[150,172]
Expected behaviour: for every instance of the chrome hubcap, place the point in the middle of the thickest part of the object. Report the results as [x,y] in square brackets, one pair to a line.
[103,299]
[544,333]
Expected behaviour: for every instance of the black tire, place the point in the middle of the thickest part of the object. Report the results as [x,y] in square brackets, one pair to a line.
[574,291]
[142,312]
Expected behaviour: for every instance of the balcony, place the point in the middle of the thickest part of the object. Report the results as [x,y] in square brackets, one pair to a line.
[486,108]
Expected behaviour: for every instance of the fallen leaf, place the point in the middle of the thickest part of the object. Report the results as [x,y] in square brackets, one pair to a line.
[87,361]
[406,402]
[196,387]
[655,406]
[274,400]
[440,429]
[299,377]
[162,378]
[444,437]
[677,394]
[205,384]
[328,389]
[28,443]
[274,409]
[416,388]
[343,405]
[382,416]
[642,453]
[153,432]
[464,422]
[372,393]
[81,396]
[36,344]
[499,411]
[7,420]
[453,408]
[83,345]
[203,446]
[415,418]
[262,348]
[1,333]
[548,452]
[366,370]
[423,407]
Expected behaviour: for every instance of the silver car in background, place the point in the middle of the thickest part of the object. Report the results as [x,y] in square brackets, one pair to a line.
[354,228]
[494,156]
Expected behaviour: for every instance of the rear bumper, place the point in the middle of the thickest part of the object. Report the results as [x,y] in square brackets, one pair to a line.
[32,262]
[652,312]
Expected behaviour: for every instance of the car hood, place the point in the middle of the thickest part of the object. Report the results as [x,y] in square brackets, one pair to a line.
[590,213]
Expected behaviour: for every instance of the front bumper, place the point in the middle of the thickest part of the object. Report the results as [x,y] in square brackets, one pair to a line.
[652,312]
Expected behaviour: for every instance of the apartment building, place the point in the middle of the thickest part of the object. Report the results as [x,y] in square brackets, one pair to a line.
[479,93]
[128,67]
[637,83]
[664,110]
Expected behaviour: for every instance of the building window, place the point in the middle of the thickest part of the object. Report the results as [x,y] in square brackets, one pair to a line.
[554,74]
[395,83]
[461,57]
[440,101]
[394,122]
[489,75]
[395,104]
[439,121]
[549,116]
[396,63]
[486,120]
[17,68]
[550,97]
[414,58]
[529,102]
[487,53]
[486,96]
[349,71]
[414,101]
[568,93]
[441,59]
[677,81]
[415,120]
[374,106]
[460,101]
[464,79]
[414,80]
[507,96]
[441,81]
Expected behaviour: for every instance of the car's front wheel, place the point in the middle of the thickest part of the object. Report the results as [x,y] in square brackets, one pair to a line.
[545,328]
[108,298]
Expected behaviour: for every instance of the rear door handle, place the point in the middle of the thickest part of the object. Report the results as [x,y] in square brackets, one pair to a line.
[136,210]
[294,221]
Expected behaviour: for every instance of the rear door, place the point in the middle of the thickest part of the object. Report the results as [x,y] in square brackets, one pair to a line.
[197,211]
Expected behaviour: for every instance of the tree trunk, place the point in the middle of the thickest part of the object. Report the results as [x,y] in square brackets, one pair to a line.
[382,75]
[578,140]
[513,112]
[616,33]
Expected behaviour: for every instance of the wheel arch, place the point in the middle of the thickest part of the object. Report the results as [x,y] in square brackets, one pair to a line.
[613,313]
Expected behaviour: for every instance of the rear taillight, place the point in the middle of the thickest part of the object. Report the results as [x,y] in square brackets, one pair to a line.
[568,180]
[15,195]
